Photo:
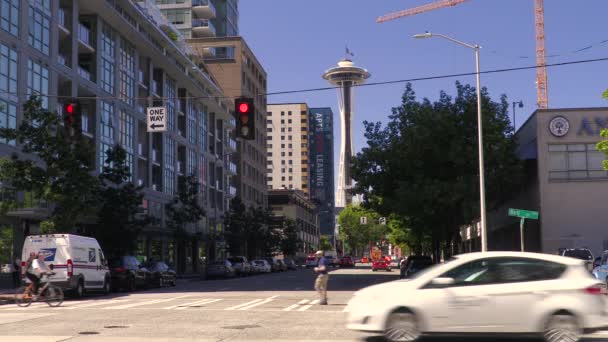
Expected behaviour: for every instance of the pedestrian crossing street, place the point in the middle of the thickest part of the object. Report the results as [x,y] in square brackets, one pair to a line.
[276,303]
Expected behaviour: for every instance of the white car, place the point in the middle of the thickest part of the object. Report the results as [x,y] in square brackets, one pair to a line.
[485,293]
[261,266]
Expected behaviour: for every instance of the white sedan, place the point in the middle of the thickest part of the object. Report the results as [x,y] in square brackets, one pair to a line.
[261,266]
[485,293]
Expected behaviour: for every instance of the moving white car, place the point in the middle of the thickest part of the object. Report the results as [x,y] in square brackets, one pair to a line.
[77,261]
[485,293]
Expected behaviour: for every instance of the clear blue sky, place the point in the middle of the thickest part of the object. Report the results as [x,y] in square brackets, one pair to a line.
[296,41]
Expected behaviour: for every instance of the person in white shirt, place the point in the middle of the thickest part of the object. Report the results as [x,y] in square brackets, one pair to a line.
[35,270]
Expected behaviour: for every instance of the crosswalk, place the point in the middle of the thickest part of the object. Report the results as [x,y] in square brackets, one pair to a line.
[189,302]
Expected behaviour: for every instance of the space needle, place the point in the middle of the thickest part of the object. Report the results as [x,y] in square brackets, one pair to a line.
[345,76]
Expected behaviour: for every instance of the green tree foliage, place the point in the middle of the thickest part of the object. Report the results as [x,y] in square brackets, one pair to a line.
[53,167]
[423,165]
[249,232]
[6,244]
[288,237]
[325,243]
[602,146]
[357,236]
[185,208]
[118,219]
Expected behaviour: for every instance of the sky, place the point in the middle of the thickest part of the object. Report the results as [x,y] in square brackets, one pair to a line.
[297,41]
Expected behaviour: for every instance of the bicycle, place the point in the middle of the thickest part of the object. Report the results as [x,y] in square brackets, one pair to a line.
[49,293]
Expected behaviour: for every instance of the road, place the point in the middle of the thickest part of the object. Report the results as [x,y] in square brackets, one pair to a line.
[270,307]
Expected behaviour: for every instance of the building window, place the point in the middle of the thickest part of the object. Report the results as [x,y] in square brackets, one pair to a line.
[8,71]
[38,36]
[289,121]
[170,103]
[269,113]
[108,47]
[38,81]
[269,129]
[282,129]
[192,171]
[282,137]
[169,166]
[202,122]
[303,121]
[9,16]
[282,113]
[107,122]
[269,154]
[127,72]
[269,121]
[282,154]
[290,169]
[282,162]
[304,129]
[103,155]
[289,113]
[304,169]
[191,114]
[575,162]
[282,121]
[290,161]
[8,119]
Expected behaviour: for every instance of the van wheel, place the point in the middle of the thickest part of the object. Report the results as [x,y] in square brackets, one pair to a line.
[80,289]
[107,287]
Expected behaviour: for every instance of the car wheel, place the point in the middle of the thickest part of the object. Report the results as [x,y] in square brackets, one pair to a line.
[402,326]
[80,289]
[107,286]
[562,327]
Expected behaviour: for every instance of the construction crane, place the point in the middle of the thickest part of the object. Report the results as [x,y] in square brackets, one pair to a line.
[539,18]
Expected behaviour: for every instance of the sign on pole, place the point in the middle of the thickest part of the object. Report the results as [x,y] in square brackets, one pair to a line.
[523,213]
[157,119]
[363,220]
[383,220]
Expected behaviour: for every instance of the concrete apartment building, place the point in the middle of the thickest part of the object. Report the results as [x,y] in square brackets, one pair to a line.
[295,205]
[288,146]
[564,181]
[202,18]
[118,56]
[239,73]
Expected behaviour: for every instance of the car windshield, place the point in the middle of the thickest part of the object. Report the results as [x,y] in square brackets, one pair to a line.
[583,254]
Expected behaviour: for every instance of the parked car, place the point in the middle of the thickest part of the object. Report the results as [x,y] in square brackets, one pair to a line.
[415,264]
[311,261]
[485,293]
[261,266]
[331,261]
[365,260]
[241,265]
[381,264]
[77,261]
[128,273]
[274,264]
[282,265]
[346,262]
[291,265]
[161,274]
[580,253]
[221,268]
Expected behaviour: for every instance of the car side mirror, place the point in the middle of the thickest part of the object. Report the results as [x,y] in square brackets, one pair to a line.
[442,281]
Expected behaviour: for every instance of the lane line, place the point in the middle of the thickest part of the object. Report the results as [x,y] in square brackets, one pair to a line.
[303,301]
[289,308]
[265,301]
[149,302]
[306,307]
[241,305]
[96,303]
[187,304]
[183,307]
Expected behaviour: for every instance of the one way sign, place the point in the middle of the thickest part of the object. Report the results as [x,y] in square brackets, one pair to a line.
[157,119]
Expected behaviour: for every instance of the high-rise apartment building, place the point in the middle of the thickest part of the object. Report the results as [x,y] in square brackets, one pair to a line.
[239,73]
[202,18]
[322,167]
[117,58]
[288,146]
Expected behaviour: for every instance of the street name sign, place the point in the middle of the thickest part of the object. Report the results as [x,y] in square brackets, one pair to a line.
[157,119]
[527,214]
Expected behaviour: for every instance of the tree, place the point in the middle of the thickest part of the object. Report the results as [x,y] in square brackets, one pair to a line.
[423,164]
[119,221]
[235,224]
[185,208]
[289,240]
[325,243]
[54,167]
[357,235]
[602,146]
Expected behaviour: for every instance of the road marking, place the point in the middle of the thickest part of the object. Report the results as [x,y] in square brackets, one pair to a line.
[96,303]
[306,307]
[154,301]
[242,305]
[203,302]
[265,301]
[188,304]
[289,308]
[303,301]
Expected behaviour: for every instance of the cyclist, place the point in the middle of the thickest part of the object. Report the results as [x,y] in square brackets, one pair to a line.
[35,269]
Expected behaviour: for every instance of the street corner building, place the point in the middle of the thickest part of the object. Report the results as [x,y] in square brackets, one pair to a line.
[119,58]
[564,182]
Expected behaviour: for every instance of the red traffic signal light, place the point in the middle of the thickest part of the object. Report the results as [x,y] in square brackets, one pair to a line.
[69,108]
[245,118]
[72,115]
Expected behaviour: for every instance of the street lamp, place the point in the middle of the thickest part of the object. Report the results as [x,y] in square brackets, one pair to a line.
[521,105]
[482,188]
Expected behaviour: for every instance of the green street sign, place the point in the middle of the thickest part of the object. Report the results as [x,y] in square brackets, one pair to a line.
[523,213]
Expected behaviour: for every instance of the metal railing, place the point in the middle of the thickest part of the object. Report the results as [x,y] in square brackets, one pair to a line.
[84,74]
[84,34]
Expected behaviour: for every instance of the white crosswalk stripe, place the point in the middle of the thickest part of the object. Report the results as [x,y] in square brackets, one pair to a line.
[306,307]
[196,303]
[149,302]
[265,301]
[93,304]
[302,302]
[243,305]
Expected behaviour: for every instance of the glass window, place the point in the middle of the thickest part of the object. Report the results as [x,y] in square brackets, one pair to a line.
[107,122]
[169,166]
[170,95]
[9,16]
[575,161]
[38,81]
[103,155]
[8,70]
[127,72]
[126,131]
[8,119]
[38,36]
[108,47]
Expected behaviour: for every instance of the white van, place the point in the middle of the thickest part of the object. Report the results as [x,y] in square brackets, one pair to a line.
[78,262]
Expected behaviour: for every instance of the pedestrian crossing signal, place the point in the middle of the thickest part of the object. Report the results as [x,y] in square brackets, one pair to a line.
[245,118]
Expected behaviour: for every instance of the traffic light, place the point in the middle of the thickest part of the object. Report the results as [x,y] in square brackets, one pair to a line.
[245,118]
[72,116]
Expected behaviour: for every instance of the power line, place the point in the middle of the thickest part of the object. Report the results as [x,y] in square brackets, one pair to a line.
[370,84]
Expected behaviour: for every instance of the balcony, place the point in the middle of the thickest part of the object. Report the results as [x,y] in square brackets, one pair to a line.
[231,191]
[84,74]
[141,79]
[180,168]
[155,88]
[231,123]
[202,28]
[30,208]
[84,39]
[155,157]
[140,108]
[204,9]
[63,60]
[231,145]
[64,29]
[231,168]
[141,152]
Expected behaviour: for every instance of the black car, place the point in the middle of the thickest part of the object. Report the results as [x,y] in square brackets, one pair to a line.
[415,264]
[579,253]
[161,274]
[128,273]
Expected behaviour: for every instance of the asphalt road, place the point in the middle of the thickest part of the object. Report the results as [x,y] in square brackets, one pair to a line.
[269,307]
